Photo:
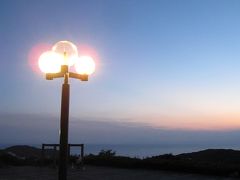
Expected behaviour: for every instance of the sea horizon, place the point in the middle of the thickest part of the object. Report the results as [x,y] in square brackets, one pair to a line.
[137,150]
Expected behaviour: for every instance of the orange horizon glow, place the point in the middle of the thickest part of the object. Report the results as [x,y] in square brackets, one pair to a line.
[195,123]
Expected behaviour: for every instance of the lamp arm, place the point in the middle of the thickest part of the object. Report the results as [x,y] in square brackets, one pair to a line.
[51,76]
[82,77]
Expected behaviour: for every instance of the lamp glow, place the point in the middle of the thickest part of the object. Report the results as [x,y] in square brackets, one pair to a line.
[50,62]
[56,64]
[85,65]
[67,51]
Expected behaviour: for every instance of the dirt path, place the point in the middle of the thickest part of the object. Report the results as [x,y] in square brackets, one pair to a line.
[96,173]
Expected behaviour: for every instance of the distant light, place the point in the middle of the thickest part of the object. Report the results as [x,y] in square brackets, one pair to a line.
[85,65]
[67,51]
[50,62]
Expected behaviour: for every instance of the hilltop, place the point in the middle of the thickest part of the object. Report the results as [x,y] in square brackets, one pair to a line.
[224,162]
[23,155]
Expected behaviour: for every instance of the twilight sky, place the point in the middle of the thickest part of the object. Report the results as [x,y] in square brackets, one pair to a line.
[167,64]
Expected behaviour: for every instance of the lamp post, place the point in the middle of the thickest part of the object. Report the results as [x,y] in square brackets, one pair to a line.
[55,64]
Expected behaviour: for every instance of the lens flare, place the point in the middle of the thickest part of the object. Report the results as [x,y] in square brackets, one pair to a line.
[85,65]
[50,62]
[34,54]
[87,50]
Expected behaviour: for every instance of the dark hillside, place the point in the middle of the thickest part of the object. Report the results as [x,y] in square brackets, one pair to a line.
[24,151]
[214,156]
[27,152]
[222,162]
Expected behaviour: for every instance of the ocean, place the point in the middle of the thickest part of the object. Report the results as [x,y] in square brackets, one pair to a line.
[141,150]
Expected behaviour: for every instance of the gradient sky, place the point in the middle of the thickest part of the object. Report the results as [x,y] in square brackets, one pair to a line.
[165,63]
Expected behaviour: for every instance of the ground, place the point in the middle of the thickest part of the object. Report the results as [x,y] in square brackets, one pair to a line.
[96,173]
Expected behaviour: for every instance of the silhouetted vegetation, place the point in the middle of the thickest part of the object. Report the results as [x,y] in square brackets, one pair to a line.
[212,161]
[109,158]
[215,162]
[107,153]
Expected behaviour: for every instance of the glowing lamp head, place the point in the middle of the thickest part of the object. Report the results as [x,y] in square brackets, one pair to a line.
[67,51]
[85,65]
[50,62]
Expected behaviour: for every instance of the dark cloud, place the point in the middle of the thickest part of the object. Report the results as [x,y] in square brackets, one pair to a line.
[37,129]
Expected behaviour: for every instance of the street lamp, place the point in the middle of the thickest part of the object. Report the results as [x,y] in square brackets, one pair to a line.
[55,64]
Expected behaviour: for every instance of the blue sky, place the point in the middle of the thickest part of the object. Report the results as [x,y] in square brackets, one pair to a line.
[166,63]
